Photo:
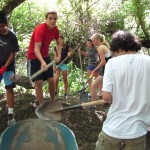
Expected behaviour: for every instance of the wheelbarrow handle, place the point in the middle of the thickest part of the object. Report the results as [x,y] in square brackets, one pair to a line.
[41,71]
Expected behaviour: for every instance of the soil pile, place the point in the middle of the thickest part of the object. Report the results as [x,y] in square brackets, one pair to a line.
[83,122]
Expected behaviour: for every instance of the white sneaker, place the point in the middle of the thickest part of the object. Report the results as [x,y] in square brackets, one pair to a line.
[99,93]
[89,95]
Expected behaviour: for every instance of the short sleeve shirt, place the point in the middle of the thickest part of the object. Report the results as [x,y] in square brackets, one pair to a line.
[42,34]
[8,45]
[93,56]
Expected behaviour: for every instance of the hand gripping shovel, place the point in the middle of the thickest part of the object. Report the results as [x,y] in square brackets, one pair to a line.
[53,110]
[26,82]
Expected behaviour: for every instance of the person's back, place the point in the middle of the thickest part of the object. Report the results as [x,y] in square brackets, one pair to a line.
[126,86]
[131,106]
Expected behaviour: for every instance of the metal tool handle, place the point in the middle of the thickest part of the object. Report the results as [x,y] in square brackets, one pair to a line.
[41,71]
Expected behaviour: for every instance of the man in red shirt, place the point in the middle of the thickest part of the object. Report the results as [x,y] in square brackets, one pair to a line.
[38,56]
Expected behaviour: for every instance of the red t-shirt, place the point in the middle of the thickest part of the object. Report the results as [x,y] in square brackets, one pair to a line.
[42,34]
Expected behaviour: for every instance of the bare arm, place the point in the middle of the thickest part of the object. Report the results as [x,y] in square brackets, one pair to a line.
[37,48]
[69,52]
[107,96]
[83,53]
[102,59]
[58,49]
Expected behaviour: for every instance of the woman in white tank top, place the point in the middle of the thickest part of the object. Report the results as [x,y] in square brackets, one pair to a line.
[104,55]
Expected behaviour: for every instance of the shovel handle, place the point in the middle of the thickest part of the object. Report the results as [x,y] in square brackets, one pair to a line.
[89,78]
[41,71]
[98,102]
[82,105]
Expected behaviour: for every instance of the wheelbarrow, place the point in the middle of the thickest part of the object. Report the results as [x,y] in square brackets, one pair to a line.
[38,134]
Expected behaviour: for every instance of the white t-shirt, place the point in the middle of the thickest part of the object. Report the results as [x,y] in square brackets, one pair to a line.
[127,77]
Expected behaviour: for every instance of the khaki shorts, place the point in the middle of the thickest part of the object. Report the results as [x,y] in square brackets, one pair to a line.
[106,142]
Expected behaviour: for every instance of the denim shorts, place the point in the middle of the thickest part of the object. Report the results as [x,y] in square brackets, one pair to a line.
[8,83]
[91,67]
[62,67]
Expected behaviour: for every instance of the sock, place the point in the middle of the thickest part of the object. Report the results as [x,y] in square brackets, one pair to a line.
[10,110]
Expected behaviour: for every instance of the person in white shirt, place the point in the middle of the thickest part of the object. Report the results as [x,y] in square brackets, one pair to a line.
[126,87]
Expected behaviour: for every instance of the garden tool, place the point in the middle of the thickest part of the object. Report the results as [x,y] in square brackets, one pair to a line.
[53,110]
[38,134]
[26,82]
[83,92]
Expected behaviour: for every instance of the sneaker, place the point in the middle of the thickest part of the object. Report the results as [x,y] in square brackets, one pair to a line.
[89,95]
[11,119]
[34,104]
[101,115]
[65,96]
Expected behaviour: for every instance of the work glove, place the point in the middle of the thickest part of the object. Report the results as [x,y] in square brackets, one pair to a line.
[2,70]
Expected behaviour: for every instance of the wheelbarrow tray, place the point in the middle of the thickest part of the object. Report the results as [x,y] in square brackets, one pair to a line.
[38,134]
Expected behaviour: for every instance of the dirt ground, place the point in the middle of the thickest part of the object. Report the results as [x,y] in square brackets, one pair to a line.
[83,122]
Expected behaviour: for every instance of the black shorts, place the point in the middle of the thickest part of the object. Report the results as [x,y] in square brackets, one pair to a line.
[102,70]
[34,65]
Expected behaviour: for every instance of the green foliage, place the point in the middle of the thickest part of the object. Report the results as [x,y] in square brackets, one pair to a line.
[138,16]
[23,20]
[75,82]
[78,20]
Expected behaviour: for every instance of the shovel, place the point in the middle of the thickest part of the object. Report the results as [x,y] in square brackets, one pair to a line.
[53,110]
[83,93]
[26,82]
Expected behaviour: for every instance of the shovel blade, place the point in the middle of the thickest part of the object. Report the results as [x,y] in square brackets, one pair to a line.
[84,96]
[48,111]
[22,81]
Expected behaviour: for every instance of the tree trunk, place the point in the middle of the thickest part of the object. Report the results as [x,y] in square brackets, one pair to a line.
[10,5]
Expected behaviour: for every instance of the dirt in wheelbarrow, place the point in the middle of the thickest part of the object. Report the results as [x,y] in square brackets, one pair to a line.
[83,122]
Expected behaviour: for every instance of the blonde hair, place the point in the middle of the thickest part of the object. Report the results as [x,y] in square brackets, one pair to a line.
[101,38]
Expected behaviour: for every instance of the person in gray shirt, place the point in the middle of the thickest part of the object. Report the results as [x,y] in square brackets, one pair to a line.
[93,59]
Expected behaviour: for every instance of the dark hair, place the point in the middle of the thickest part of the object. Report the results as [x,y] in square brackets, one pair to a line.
[124,40]
[61,36]
[50,12]
[89,40]
[3,18]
